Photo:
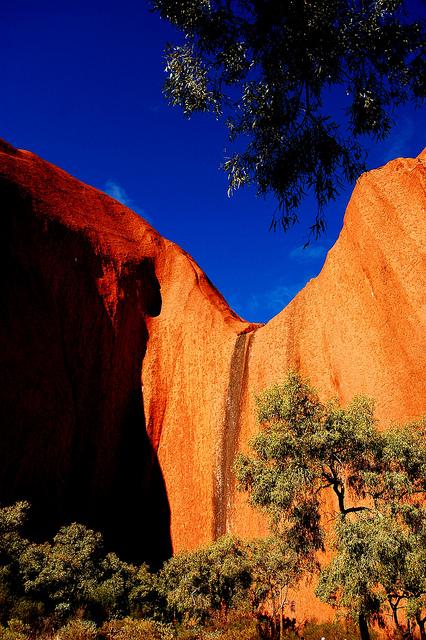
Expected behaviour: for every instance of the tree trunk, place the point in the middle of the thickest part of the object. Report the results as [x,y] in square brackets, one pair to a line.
[282,624]
[273,619]
[363,627]
[409,633]
[421,622]
[395,616]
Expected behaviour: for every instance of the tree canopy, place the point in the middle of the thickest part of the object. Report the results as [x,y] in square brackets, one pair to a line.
[213,578]
[275,70]
[276,568]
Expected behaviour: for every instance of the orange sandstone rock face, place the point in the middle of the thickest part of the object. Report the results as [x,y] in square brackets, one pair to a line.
[193,375]
[97,301]
[359,327]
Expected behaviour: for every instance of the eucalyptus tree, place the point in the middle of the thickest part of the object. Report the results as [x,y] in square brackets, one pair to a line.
[414,583]
[73,572]
[275,568]
[196,584]
[306,452]
[381,556]
[275,70]
[303,448]
[12,545]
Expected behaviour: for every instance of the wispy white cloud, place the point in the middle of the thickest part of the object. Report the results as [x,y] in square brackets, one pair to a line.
[278,297]
[260,306]
[117,192]
[309,253]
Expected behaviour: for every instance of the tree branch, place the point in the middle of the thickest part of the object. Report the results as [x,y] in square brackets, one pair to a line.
[355,509]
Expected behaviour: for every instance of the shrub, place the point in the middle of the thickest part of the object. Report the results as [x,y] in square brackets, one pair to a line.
[130,629]
[238,626]
[15,630]
[77,629]
[145,598]
[213,579]
[338,630]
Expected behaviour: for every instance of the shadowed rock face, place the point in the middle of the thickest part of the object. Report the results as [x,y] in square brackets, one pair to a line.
[78,282]
[95,299]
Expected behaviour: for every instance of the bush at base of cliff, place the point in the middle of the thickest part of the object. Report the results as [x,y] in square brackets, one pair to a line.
[243,630]
[331,631]
[199,585]
[238,625]
[130,629]
[78,629]
[15,630]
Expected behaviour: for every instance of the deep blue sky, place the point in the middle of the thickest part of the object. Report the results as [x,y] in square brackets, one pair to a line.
[81,86]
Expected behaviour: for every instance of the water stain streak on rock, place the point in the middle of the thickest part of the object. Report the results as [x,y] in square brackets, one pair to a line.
[228,446]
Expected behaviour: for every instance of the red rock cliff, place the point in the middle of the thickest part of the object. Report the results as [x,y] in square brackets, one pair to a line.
[78,283]
[95,299]
[359,327]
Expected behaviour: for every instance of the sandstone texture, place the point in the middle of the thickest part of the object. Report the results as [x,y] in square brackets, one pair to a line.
[359,327]
[128,384]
